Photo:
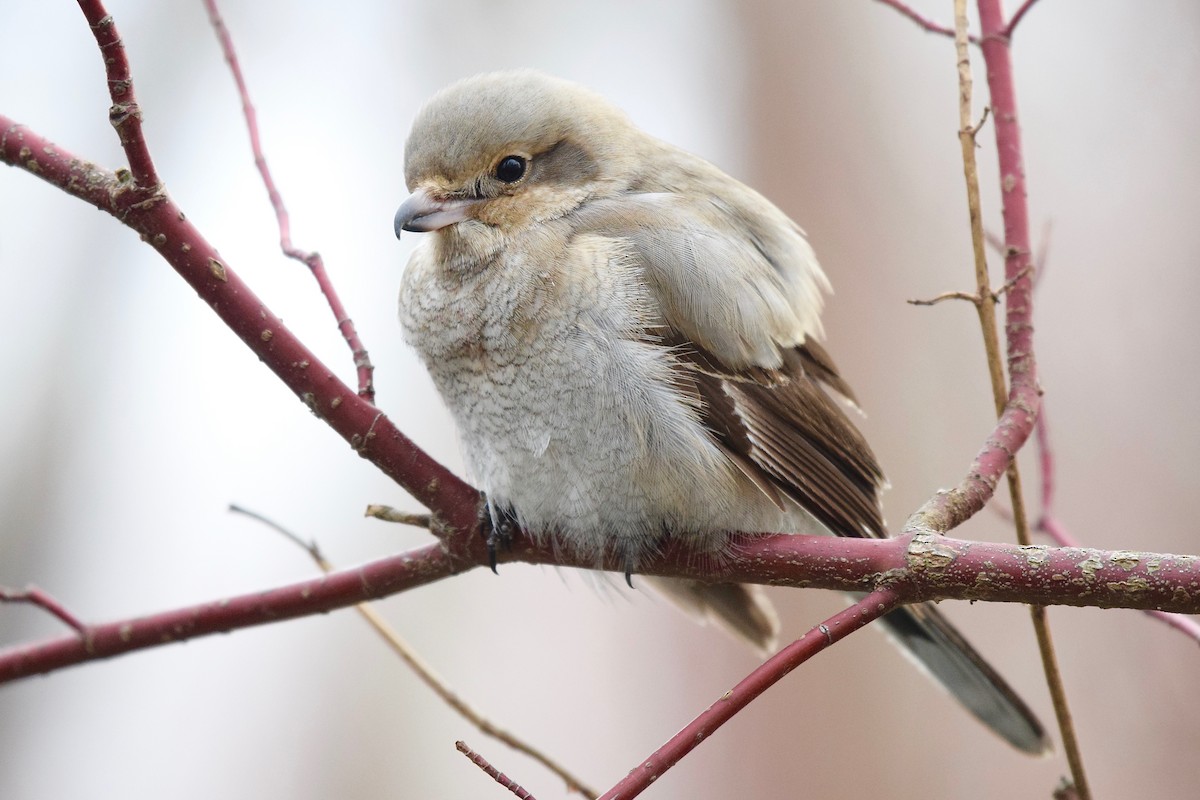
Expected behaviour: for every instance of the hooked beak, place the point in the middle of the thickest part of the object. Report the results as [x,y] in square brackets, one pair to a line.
[422,213]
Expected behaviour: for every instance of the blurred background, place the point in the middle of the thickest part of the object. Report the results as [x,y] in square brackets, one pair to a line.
[131,417]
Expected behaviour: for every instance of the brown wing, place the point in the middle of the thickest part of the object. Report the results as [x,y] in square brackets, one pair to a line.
[786,433]
[737,285]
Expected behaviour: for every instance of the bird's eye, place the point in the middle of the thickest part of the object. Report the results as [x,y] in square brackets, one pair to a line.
[510,169]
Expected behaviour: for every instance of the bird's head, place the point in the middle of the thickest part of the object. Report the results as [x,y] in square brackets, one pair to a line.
[494,154]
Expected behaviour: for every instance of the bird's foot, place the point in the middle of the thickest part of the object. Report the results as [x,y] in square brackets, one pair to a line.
[497,526]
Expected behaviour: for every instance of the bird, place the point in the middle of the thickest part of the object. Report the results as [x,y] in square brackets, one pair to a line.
[629,342]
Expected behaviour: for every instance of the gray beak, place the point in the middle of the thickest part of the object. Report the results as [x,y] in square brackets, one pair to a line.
[421,213]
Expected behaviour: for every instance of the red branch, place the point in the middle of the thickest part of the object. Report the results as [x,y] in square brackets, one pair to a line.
[162,224]
[924,567]
[837,627]
[1050,525]
[927,24]
[337,590]
[948,509]
[316,265]
[495,774]
[125,114]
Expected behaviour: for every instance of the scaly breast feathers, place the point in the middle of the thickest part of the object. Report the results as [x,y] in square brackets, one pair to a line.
[571,416]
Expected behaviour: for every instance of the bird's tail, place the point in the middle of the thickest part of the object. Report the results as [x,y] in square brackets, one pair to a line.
[942,652]
[742,609]
[920,629]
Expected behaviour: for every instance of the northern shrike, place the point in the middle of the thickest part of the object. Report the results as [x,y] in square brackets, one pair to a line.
[627,338]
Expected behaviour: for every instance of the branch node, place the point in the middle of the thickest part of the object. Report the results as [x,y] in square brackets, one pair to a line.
[389,514]
[36,597]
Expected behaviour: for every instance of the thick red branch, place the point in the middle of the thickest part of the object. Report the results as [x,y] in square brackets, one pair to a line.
[162,224]
[922,567]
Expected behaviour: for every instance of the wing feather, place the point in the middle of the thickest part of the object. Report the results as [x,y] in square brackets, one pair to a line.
[740,293]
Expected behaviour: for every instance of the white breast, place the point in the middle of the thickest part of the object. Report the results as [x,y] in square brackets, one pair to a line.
[570,416]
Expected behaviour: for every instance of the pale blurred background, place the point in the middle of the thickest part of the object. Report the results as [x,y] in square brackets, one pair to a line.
[132,417]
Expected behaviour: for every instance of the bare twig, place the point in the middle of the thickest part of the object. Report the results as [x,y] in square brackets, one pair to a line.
[425,672]
[389,514]
[970,297]
[1017,17]
[978,126]
[929,25]
[36,597]
[125,114]
[976,298]
[837,627]
[362,361]
[495,774]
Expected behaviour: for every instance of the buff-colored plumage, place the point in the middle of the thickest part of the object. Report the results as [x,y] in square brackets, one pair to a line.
[627,338]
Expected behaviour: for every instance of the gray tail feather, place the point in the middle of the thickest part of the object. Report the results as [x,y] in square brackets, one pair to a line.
[742,609]
[942,651]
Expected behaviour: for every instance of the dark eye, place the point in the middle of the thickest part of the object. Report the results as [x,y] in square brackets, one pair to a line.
[510,169]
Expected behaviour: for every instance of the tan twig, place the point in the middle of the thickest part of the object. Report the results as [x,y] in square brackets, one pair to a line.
[987,321]
[970,297]
[992,295]
[389,514]
[425,672]
[983,118]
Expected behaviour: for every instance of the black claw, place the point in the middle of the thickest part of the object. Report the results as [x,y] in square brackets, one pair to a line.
[497,526]
[629,572]
[491,546]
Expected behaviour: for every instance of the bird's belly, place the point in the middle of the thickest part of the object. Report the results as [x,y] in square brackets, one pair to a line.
[586,440]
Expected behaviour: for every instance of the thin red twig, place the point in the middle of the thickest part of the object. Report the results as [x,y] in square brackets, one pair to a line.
[35,596]
[316,265]
[1017,17]
[125,114]
[924,22]
[837,627]
[927,24]
[495,774]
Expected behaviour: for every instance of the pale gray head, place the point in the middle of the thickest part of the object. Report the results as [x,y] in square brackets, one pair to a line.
[508,148]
